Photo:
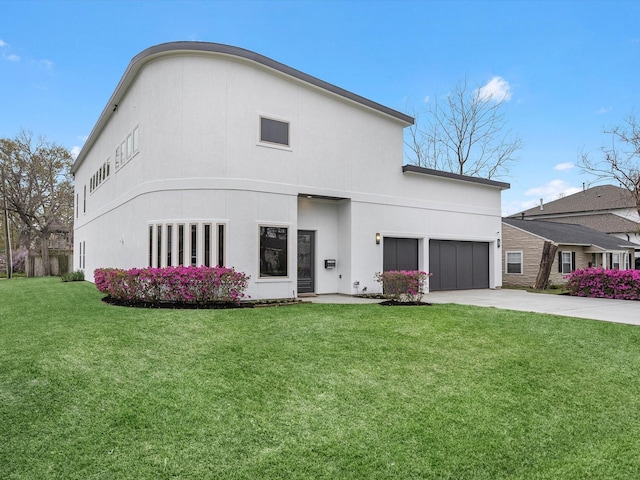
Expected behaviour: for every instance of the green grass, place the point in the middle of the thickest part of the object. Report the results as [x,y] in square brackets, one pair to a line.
[93,391]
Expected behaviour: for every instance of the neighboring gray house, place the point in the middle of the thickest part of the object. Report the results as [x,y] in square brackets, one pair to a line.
[605,208]
[578,247]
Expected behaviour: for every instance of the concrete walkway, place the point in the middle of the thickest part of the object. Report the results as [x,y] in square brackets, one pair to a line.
[618,311]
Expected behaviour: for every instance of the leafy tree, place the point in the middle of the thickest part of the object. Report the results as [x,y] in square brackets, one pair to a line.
[37,188]
[621,160]
[465,132]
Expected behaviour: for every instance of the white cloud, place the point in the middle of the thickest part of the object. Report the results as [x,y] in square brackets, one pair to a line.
[563,167]
[515,206]
[12,58]
[427,99]
[48,64]
[75,151]
[552,191]
[2,43]
[603,110]
[497,89]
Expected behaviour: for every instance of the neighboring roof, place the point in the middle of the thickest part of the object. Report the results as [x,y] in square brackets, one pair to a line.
[174,48]
[603,222]
[454,176]
[594,199]
[566,234]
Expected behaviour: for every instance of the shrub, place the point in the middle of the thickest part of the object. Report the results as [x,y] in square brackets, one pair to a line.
[180,285]
[601,283]
[403,285]
[19,260]
[77,276]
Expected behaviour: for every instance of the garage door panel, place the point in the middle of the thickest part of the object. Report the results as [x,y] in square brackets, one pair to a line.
[400,254]
[448,255]
[458,265]
[481,265]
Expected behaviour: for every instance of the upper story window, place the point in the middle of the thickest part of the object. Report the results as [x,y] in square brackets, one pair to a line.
[275,132]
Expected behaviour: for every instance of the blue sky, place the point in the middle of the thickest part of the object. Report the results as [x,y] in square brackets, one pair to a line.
[572,67]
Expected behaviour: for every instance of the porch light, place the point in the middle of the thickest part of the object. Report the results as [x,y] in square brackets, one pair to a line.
[377,238]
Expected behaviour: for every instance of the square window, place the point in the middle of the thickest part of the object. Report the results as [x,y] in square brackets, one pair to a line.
[273,251]
[274,131]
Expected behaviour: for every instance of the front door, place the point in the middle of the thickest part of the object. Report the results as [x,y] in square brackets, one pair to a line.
[306,261]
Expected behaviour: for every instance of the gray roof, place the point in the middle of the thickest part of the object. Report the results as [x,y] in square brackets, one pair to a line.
[602,222]
[566,234]
[455,176]
[175,48]
[594,199]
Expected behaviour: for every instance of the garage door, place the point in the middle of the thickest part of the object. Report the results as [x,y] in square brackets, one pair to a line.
[400,254]
[458,265]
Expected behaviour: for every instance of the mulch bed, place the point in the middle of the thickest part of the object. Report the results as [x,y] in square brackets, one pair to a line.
[395,303]
[199,306]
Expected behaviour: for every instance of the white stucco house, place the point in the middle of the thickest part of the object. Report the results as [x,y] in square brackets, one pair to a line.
[208,154]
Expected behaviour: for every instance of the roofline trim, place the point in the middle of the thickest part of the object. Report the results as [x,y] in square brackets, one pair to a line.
[455,176]
[166,49]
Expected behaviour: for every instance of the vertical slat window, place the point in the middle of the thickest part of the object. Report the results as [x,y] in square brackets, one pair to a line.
[159,246]
[129,146]
[135,140]
[180,244]
[220,244]
[151,245]
[169,245]
[207,245]
[194,245]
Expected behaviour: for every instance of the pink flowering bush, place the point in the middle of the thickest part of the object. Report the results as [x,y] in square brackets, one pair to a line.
[601,283]
[403,285]
[181,285]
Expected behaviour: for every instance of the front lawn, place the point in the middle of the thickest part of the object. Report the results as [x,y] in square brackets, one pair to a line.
[93,391]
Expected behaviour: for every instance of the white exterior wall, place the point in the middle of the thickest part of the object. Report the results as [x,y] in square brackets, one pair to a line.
[200,161]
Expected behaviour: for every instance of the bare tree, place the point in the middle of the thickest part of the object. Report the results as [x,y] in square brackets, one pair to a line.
[37,188]
[465,132]
[621,161]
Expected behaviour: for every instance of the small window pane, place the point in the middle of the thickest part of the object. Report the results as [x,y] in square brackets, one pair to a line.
[273,251]
[159,244]
[129,146]
[180,244]
[169,244]
[194,245]
[135,139]
[151,245]
[274,131]
[221,241]
[207,245]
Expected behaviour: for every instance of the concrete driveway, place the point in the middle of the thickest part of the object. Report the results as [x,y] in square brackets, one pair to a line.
[619,311]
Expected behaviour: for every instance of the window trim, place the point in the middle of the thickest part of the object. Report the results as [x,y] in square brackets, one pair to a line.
[507,263]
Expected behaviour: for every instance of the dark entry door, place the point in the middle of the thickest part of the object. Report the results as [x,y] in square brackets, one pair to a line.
[458,265]
[400,254]
[306,261]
